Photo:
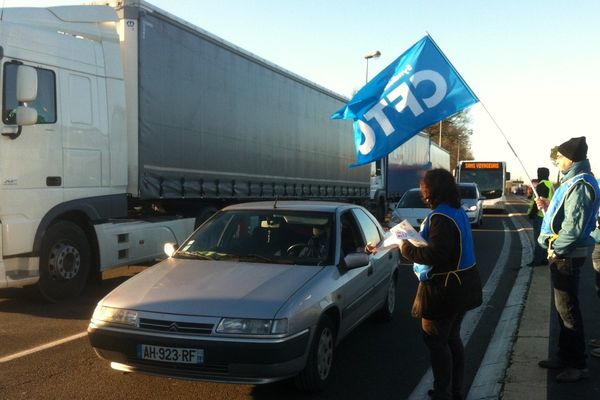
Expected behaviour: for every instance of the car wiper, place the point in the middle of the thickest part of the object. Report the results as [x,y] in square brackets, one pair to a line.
[257,256]
[195,255]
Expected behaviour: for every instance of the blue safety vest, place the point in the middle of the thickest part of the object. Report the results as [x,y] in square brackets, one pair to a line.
[467,249]
[558,200]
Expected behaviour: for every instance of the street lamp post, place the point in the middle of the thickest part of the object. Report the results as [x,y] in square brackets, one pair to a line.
[374,54]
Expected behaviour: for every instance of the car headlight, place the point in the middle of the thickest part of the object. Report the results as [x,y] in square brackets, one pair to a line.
[472,208]
[249,326]
[103,314]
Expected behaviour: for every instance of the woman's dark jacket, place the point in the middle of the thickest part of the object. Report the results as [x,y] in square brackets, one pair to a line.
[445,293]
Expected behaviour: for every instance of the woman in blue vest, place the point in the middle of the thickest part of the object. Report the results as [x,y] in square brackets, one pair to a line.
[449,283]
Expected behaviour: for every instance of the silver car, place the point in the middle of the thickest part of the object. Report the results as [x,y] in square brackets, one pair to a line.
[472,202]
[410,207]
[259,293]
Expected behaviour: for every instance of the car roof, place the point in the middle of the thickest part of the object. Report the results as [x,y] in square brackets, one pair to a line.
[289,205]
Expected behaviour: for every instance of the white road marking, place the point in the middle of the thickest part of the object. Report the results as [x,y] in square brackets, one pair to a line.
[491,372]
[504,230]
[42,347]
[472,317]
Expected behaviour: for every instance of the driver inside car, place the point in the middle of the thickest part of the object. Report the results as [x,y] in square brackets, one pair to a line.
[317,244]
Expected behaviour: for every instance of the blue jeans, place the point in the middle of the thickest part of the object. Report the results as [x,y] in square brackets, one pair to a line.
[565,274]
[540,255]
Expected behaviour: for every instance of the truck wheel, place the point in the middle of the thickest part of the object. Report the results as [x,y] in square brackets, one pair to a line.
[64,262]
[380,211]
[316,373]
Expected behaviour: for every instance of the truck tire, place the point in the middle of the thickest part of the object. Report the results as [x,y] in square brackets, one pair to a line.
[317,372]
[64,262]
[380,211]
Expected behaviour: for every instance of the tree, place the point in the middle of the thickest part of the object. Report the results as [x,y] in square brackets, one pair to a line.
[553,158]
[553,155]
[456,136]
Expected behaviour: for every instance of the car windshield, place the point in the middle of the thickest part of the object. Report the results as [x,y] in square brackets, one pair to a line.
[281,237]
[411,199]
[467,192]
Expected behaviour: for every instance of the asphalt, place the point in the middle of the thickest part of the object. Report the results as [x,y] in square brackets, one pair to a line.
[537,334]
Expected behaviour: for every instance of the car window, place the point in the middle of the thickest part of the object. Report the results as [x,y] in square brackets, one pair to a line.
[352,239]
[368,227]
[411,199]
[467,192]
[282,237]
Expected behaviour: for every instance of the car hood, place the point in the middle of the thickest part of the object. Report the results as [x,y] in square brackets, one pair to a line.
[466,203]
[406,213]
[211,288]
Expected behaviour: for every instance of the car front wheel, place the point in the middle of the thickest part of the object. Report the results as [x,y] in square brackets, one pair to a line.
[317,371]
[386,312]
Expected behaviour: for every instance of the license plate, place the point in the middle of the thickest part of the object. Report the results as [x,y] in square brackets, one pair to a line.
[170,354]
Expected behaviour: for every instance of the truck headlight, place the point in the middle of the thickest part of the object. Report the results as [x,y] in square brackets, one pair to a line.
[249,326]
[103,314]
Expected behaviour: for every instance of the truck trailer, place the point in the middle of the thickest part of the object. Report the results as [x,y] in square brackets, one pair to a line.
[124,126]
[403,169]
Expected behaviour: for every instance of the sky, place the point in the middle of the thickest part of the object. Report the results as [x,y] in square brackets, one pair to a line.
[535,65]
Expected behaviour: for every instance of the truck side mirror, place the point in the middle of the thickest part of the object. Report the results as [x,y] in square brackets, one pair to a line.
[27,84]
[26,115]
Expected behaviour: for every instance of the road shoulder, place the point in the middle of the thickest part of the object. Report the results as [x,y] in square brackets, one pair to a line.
[524,379]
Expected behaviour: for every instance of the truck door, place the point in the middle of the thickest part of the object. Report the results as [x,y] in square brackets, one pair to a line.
[30,158]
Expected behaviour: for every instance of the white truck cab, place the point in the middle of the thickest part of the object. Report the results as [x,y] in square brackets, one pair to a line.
[63,152]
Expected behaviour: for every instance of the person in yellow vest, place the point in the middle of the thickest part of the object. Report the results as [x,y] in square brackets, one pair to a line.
[544,189]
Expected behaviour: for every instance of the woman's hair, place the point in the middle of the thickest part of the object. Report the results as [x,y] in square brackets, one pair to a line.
[438,186]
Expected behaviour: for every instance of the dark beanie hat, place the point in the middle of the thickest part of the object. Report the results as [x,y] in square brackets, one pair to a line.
[575,149]
[543,173]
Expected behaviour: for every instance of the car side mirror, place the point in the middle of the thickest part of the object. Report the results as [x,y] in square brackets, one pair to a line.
[356,260]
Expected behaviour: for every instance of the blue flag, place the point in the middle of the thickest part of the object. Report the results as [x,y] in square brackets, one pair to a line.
[418,89]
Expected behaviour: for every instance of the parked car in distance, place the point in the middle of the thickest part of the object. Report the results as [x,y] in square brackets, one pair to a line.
[410,207]
[258,293]
[472,202]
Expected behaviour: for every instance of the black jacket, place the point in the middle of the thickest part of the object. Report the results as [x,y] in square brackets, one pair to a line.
[448,293]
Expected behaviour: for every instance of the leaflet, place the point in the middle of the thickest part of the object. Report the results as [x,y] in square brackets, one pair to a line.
[404,231]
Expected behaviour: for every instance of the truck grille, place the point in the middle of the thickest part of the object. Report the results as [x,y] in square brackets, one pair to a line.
[176,326]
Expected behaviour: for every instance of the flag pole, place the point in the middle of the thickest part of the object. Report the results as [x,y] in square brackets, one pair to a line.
[511,148]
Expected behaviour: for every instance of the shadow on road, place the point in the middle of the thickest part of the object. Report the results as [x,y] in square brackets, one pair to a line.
[27,300]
